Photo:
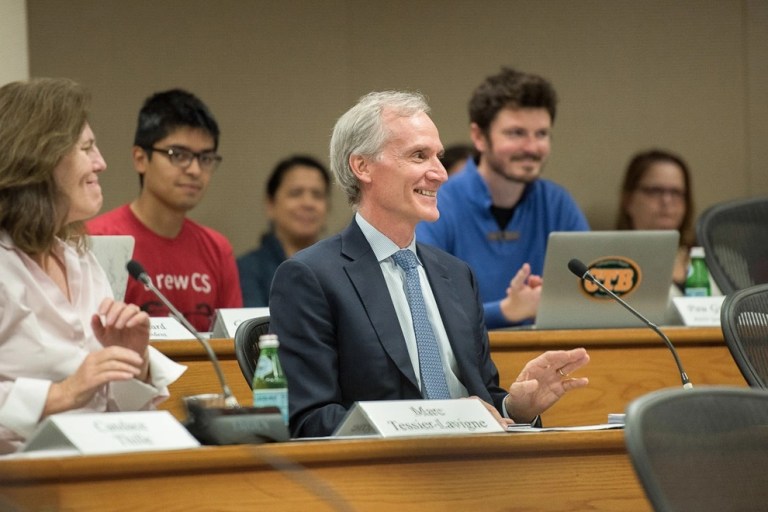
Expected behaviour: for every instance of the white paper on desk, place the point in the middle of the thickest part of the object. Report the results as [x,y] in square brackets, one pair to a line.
[616,418]
[581,428]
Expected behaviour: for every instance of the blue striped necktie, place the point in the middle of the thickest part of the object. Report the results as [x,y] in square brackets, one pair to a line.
[430,364]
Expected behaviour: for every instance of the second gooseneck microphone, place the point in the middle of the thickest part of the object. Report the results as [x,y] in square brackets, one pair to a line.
[137,272]
[582,272]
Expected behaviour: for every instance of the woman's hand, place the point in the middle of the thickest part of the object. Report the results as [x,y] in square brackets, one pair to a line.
[123,325]
[98,368]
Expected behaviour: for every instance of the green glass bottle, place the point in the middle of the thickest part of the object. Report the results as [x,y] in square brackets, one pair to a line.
[697,282]
[270,387]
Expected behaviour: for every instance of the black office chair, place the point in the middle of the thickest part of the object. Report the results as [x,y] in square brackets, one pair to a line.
[247,344]
[734,235]
[703,449]
[744,320]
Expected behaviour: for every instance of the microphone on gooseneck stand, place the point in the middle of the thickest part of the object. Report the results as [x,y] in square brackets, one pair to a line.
[231,424]
[137,272]
[582,272]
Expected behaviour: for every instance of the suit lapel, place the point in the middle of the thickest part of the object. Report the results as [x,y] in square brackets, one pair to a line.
[451,306]
[365,274]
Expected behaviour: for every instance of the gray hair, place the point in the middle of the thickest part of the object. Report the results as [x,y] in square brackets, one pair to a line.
[361,131]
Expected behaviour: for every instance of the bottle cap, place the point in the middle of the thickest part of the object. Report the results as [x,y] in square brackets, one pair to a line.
[697,252]
[268,341]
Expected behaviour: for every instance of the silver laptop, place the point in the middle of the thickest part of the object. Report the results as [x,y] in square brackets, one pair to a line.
[636,265]
[113,252]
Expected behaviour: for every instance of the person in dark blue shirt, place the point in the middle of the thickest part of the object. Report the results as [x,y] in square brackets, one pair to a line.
[298,192]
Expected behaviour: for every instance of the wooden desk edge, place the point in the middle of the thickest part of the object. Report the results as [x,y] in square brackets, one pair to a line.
[180,350]
[506,339]
[309,453]
[613,338]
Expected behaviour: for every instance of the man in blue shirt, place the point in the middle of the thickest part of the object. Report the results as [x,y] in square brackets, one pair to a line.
[497,213]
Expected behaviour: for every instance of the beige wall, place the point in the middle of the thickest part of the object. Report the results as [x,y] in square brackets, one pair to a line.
[14,61]
[690,75]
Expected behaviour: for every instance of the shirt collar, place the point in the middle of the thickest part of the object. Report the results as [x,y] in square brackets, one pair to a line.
[382,246]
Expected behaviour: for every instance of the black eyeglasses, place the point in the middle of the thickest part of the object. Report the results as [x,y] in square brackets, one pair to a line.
[659,192]
[182,157]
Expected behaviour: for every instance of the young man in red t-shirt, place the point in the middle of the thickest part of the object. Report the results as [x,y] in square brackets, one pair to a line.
[175,155]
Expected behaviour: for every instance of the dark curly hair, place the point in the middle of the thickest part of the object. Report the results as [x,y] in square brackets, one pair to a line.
[510,88]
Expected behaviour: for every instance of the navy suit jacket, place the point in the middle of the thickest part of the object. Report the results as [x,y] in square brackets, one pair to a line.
[340,339]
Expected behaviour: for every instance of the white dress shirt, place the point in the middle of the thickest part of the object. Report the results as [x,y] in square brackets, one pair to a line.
[394,276]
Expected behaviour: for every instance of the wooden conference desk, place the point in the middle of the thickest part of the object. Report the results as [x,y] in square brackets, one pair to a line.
[625,364]
[551,471]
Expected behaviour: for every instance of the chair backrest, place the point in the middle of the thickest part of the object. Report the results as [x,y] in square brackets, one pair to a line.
[734,235]
[703,449]
[744,320]
[247,344]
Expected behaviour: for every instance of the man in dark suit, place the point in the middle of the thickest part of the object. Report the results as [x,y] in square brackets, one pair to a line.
[342,310]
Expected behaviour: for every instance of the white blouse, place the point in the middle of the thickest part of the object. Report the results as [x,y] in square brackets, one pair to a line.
[44,338]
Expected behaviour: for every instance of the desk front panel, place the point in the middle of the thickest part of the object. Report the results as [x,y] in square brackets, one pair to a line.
[624,364]
[532,472]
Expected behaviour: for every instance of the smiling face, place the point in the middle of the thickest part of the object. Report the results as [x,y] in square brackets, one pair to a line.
[517,144]
[399,186]
[299,207]
[76,175]
[175,188]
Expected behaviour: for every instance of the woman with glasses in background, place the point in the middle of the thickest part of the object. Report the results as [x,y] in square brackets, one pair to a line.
[656,194]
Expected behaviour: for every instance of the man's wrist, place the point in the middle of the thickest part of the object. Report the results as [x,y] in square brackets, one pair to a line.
[509,412]
[505,407]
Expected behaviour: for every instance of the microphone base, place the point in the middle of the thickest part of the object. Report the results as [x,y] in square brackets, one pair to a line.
[239,425]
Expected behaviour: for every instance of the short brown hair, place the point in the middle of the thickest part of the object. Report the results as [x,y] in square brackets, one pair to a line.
[510,88]
[42,120]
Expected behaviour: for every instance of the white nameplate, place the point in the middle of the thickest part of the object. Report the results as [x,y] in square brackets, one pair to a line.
[113,432]
[168,328]
[699,311]
[400,418]
[227,319]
